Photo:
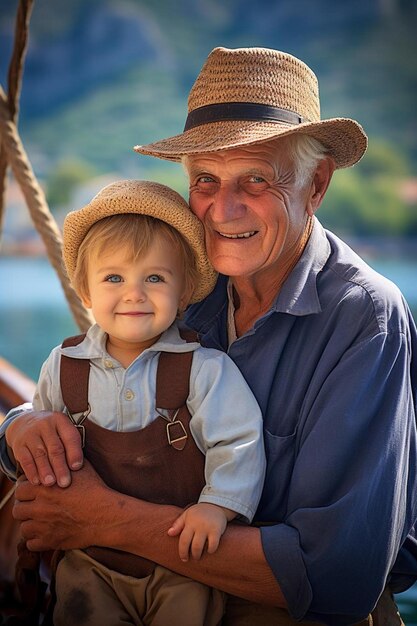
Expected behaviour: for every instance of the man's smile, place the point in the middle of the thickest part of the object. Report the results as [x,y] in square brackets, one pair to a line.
[246,235]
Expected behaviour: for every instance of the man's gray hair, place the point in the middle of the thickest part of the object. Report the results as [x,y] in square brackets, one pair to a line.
[305,153]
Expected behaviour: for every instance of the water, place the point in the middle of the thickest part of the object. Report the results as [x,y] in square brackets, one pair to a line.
[35,317]
[33,312]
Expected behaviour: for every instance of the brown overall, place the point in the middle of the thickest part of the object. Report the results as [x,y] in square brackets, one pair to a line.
[159,463]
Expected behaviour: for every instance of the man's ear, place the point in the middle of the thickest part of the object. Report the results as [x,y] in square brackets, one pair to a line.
[319,184]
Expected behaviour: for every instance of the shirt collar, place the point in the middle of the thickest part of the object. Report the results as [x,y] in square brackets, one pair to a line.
[93,345]
[299,295]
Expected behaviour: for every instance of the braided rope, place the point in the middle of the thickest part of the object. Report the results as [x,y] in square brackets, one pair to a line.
[38,208]
[14,85]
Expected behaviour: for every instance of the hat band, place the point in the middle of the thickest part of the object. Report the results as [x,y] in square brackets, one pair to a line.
[240,111]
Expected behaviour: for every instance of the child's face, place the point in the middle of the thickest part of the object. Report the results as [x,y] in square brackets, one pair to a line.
[135,301]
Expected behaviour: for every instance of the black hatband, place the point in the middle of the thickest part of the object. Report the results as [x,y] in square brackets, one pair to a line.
[229,111]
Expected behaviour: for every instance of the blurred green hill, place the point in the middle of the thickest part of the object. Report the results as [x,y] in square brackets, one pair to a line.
[103,75]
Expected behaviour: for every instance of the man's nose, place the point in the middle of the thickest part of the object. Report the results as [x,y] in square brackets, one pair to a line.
[227,205]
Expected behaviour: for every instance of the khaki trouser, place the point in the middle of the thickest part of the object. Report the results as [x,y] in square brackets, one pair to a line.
[89,594]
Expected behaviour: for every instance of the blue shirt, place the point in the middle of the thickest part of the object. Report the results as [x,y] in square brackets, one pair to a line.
[333,367]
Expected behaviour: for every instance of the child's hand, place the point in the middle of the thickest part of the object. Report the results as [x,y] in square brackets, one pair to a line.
[199,525]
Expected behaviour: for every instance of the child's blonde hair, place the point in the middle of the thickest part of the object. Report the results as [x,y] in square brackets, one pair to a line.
[135,233]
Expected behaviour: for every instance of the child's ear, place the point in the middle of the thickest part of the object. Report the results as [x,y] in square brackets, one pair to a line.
[181,309]
[185,298]
[85,299]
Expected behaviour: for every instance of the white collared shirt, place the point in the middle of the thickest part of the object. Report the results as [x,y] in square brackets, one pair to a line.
[226,420]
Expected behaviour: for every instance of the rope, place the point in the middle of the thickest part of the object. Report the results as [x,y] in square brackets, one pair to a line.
[38,209]
[14,85]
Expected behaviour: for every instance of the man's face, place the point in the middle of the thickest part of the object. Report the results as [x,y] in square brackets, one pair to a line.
[252,210]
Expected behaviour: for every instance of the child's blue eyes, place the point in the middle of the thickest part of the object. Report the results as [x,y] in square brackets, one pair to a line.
[116,278]
[155,278]
[113,278]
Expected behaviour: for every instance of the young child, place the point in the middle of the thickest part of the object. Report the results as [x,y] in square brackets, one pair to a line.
[135,255]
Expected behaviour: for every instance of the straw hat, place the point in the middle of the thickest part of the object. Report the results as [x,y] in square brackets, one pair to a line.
[250,95]
[144,198]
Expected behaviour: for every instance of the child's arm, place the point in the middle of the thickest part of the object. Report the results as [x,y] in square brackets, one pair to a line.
[200,525]
[227,426]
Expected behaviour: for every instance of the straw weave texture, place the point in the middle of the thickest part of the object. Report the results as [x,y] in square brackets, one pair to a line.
[144,198]
[257,75]
[263,76]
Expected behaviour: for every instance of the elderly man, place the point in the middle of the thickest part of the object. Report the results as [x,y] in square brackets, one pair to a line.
[326,344]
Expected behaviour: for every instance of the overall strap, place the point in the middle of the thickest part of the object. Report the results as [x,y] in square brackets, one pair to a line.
[172,379]
[173,375]
[74,375]
[172,389]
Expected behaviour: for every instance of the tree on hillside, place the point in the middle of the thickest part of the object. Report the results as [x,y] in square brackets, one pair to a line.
[367,200]
[64,179]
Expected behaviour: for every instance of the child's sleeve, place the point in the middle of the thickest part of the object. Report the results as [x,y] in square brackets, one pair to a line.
[47,396]
[227,426]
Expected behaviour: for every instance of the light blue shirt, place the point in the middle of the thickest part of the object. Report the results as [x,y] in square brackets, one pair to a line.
[333,367]
[226,422]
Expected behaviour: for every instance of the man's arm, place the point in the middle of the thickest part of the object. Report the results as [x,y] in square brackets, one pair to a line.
[53,518]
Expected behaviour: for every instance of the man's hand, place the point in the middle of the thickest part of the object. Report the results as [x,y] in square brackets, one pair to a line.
[200,524]
[46,445]
[90,513]
[54,518]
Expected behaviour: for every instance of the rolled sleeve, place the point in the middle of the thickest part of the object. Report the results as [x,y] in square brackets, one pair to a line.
[281,544]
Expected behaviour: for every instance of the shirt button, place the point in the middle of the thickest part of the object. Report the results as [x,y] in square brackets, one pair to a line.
[108,363]
[129,395]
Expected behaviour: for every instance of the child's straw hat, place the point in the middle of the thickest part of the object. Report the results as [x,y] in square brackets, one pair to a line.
[144,198]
